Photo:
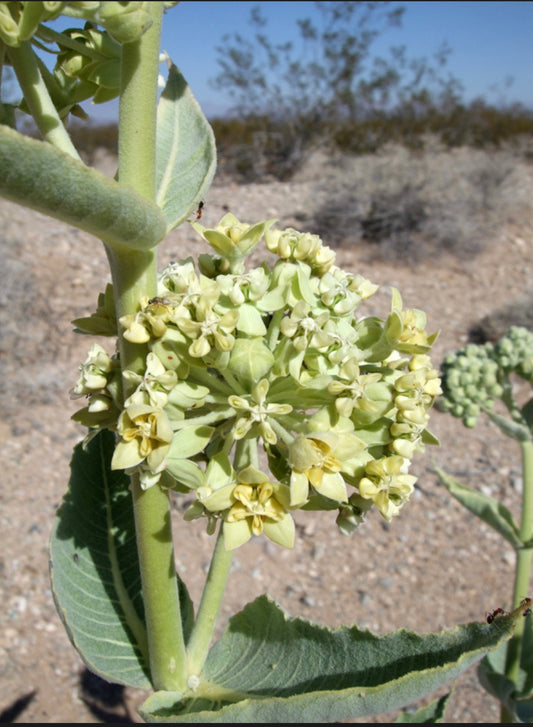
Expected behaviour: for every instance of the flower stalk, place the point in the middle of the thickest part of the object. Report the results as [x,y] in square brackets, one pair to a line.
[37,97]
[206,620]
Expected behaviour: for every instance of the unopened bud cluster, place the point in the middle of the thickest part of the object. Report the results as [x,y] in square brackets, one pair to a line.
[514,352]
[275,358]
[475,376]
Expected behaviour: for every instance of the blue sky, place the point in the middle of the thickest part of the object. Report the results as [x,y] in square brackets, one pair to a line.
[490,42]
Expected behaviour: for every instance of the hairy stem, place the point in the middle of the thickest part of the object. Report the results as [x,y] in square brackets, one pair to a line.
[134,276]
[209,608]
[36,95]
[524,560]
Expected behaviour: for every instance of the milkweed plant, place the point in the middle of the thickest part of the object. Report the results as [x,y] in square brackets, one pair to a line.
[253,391]
[494,380]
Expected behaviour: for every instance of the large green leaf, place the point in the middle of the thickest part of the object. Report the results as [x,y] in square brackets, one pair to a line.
[268,667]
[485,507]
[38,175]
[95,572]
[186,151]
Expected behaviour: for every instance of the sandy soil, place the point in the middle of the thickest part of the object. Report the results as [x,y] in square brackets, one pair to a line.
[431,568]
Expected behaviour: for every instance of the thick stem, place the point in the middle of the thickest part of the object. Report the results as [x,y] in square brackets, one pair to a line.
[135,276]
[137,110]
[524,561]
[209,608]
[161,605]
[38,99]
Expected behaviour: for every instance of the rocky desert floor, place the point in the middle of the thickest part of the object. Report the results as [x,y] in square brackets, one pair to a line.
[431,568]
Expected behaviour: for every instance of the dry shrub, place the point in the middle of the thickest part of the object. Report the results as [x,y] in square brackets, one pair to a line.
[494,325]
[409,205]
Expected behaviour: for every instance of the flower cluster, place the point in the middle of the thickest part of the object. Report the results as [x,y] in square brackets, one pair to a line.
[273,359]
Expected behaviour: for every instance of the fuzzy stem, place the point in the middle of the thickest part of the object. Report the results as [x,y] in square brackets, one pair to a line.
[134,276]
[524,560]
[38,99]
[209,608]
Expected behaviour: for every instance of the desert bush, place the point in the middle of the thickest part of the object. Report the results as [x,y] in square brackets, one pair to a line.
[410,205]
[255,149]
[518,313]
[90,137]
[328,83]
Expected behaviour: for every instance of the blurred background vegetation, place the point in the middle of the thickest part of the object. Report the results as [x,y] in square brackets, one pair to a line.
[327,89]
[390,152]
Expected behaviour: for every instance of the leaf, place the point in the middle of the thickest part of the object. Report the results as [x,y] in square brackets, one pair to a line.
[434,712]
[485,507]
[185,153]
[38,175]
[491,676]
[515,430]
[94,568]
[268,667]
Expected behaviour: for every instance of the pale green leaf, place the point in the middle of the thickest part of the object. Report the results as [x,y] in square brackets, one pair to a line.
[485,507]
[185,153]
[512,429]
[270,668]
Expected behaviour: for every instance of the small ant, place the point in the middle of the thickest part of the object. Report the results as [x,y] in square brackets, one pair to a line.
[491,616]
[528,603]
[199,211]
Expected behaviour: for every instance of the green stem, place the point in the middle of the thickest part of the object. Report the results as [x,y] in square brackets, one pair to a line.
[36,95]
[206,419]
[273,330]
[209,608]
[137,110]
[135,276]
[160,594]
[285,436]
[524,560]
[49,35]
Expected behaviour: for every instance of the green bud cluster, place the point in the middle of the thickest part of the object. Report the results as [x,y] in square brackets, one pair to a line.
[471,382]
[514,352]
[275,357]
[475,376]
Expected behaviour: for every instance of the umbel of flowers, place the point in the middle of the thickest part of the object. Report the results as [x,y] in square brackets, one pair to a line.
[264,391]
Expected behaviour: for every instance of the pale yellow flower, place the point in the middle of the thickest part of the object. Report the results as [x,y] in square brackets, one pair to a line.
[387,485]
